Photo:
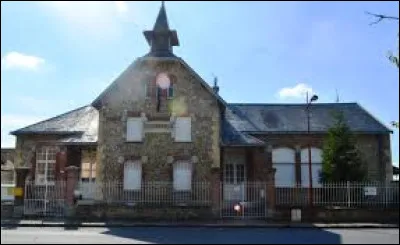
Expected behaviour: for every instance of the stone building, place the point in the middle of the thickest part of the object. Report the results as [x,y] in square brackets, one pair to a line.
[160,121]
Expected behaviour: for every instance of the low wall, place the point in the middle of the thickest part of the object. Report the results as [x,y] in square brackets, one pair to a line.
[7,210]
[340,215]
[101,211]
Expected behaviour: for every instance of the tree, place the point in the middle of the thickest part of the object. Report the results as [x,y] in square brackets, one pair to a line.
[341,160]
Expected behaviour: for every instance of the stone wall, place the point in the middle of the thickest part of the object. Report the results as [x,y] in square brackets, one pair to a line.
[7,154]
[25,150]
[127,97]
[7,165]
[25,153]
[125,212]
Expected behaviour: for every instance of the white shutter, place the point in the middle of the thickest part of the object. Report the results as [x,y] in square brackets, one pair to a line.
[134,129]
[182,176]
[183,129]
[132,175]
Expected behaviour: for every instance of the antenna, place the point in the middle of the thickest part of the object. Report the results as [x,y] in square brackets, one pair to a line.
[337,96]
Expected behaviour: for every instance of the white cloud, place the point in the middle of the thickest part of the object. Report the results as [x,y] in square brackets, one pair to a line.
[121,6]
[296,92]
[15,60]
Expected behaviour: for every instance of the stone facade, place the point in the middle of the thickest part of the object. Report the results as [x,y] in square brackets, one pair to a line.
[7,154]
[128,98]
[134,94]
[7,165]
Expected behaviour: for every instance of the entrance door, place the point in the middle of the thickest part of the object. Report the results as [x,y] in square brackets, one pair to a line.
[235,180]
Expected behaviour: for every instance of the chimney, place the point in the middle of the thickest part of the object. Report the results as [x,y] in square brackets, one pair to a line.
[215,87]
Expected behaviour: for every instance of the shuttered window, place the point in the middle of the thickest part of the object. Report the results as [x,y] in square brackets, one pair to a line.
[183,129]
[182,176]
[132,175]
[134,129]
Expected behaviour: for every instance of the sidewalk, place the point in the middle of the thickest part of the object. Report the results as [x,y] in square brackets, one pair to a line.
[215,224]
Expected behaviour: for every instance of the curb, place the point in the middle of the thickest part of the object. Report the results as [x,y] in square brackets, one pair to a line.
[183,225]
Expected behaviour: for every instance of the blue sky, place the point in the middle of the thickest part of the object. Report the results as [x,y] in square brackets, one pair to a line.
[57,56]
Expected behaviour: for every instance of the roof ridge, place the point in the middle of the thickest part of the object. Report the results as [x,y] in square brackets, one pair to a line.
[51,118]
[289,104]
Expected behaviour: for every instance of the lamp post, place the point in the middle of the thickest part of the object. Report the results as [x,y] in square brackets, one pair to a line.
[310,187]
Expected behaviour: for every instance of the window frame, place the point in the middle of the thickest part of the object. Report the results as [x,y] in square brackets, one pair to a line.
[276,163]
[49,165]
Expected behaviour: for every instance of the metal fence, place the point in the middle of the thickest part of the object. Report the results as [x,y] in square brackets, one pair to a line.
[45,200]
[241,200]
[149,193]
[346,194]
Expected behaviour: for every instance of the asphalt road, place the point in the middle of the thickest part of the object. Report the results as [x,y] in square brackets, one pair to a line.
[169,235]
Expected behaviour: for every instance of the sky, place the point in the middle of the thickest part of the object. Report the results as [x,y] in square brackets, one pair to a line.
[57,56]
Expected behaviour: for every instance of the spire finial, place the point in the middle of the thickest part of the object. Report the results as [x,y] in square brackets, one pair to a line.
[215,87]
[337,96]
[161,39]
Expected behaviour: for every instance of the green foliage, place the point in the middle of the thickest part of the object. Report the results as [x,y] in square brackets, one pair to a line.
[341,159]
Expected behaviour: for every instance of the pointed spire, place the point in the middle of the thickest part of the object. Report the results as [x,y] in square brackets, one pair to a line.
[161,39]
[162,20]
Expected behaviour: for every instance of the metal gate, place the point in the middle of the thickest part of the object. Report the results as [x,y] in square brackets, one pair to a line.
[244,200]
[46,200]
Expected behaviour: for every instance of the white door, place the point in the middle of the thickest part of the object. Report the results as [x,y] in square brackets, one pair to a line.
[235,179]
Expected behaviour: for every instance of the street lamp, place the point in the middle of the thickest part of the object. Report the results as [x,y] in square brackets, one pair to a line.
[310,187]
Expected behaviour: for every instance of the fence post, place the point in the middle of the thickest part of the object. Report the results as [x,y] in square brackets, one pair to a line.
[348,194]
[216,193]
[71,184]
[19,190]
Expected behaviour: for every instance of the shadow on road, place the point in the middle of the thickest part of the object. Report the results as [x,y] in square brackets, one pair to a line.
[192,235]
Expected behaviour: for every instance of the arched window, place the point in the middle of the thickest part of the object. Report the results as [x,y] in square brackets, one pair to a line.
[171,89]
[169,92]
[283,159]
[316,166]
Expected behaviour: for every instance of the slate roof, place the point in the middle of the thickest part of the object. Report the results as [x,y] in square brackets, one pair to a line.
[292,118]
[232,137]
[240,124]
[78,126]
